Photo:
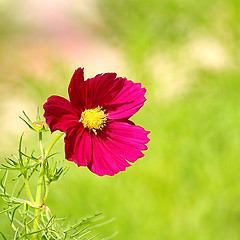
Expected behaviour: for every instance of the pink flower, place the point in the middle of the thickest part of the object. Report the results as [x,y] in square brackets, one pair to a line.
[99,134]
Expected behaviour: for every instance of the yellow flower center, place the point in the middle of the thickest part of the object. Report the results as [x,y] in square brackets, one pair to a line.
[94,119]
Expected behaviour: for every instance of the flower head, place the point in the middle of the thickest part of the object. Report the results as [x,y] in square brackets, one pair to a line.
[99,134]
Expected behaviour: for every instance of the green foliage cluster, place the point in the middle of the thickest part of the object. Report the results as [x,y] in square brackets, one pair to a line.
[29,218]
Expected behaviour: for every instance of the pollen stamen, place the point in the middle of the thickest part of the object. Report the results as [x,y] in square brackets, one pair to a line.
[94,119]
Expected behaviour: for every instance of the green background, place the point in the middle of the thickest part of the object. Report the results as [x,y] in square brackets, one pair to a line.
[187,54]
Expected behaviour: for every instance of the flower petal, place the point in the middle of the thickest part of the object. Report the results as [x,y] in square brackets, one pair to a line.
[98,91]
[78,146]
[129,138]
[127,102]
[107,87]
[60,114]
[116,144]
[120,97]
[74,88]
[104,161]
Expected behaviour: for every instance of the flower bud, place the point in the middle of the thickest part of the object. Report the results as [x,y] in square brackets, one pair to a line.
[38,125]
[55,172]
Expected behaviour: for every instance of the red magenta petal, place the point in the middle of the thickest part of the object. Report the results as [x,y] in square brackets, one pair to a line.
[60,114]
[74,88]
[127,139]
[78,146]
[127,102]
[118,143]
[104,161]
[98,91]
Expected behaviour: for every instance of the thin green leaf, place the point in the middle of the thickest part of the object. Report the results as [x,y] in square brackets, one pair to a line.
[50,222]
[9,209]
[20,150]
[94,236]
[38,115]
[82,222]
[13,214]
[11,161]
[16,233]
[6,167]
[81,231]
[17,177]
[4,179]
[17,221]
[14,188]
[17,200]
[103,223]
[29,120]
[31,233]
[111,236]
[27,123]
[30,157]
[84,234]
[19,168]
[51,155]
[20,190]
[3,236]
[25,213]
[15,157]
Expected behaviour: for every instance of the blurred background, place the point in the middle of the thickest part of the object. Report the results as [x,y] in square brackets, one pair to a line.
[187,54]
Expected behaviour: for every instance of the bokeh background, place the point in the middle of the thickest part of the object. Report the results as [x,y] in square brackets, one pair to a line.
[187,54]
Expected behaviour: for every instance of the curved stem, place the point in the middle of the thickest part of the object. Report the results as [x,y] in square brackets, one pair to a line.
[53,143]
[46,193]
[29,191]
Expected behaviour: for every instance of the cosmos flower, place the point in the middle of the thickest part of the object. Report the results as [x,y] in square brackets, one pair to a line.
[99,134]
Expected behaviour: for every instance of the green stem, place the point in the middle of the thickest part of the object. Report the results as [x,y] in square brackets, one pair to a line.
[38,202]
[29,191]
[39,192]
[53,143]
[41,144]
[46,193]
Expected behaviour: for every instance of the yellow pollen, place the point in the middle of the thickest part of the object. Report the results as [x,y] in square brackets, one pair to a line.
[94,119]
